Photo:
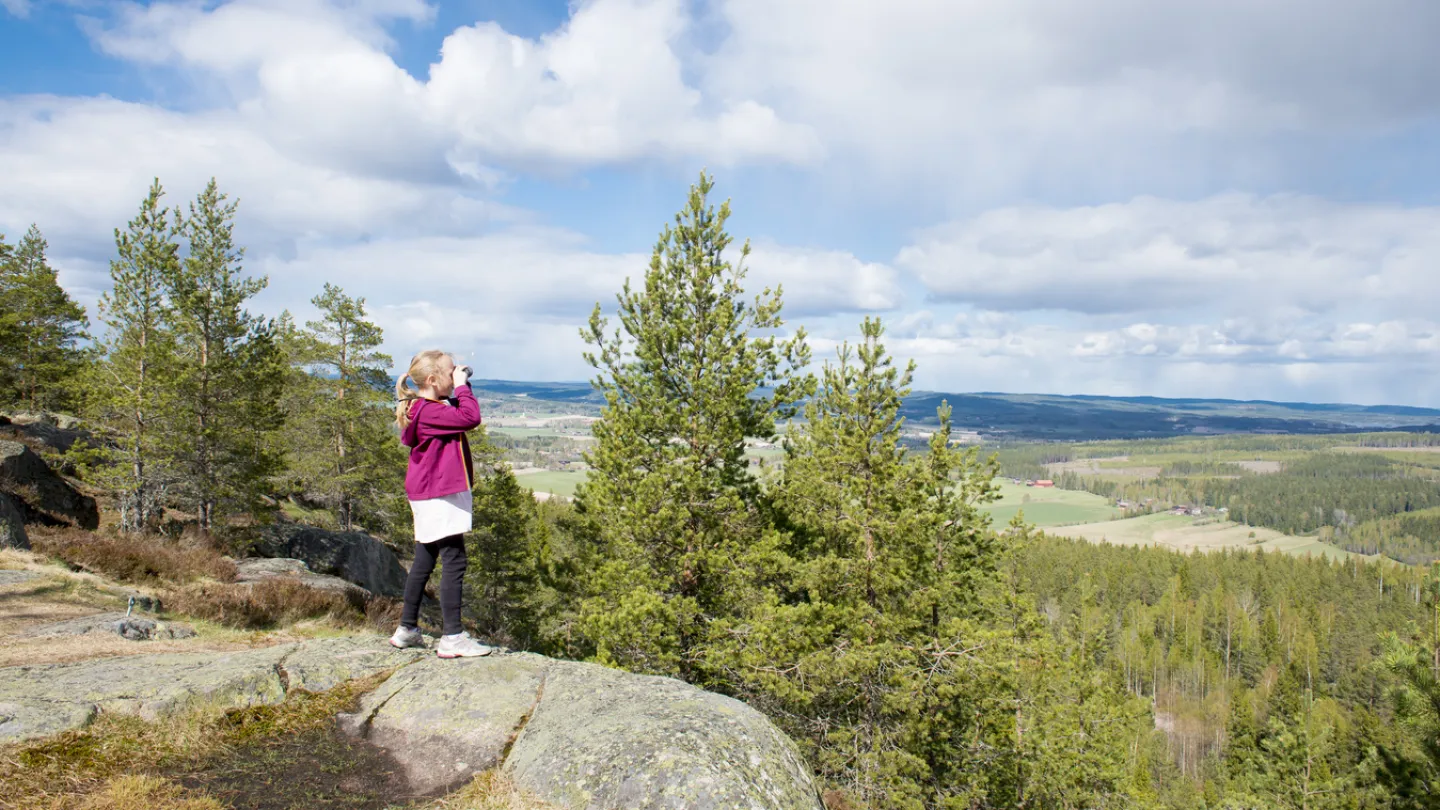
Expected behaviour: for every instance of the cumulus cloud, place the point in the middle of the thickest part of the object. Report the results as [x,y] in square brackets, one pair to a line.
[995,96]
[823,281]
[315,76]
[1237,253]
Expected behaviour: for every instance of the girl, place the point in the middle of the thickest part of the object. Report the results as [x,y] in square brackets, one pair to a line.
[437,483]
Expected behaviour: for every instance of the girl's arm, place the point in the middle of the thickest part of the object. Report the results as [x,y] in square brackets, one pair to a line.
[447,420]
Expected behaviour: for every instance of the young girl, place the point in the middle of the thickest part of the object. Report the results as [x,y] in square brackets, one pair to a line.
[438,481]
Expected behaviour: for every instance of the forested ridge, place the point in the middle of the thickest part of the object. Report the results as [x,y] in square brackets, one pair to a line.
[856,594]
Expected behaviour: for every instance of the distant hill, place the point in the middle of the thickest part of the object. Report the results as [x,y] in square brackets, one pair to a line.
[1070,418]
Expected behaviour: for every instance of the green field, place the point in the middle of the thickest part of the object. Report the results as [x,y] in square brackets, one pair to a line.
[1186,534]
[555,482]
[1048,506]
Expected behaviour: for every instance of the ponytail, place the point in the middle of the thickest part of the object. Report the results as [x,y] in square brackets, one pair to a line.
[405,396]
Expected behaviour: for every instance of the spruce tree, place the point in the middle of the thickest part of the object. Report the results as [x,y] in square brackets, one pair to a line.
[691,371]
[228,381]
[40,326]
[132,386]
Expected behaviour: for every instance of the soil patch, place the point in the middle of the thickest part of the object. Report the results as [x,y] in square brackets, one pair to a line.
[319,768]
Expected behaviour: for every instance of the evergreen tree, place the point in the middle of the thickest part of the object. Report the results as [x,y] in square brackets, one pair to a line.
[342,446]
[514,588]
[133,385]
[40,325]
[227,384]
[692,370]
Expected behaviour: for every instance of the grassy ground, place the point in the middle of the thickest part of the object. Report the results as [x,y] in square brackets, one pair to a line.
[1049,506]
[1186,534]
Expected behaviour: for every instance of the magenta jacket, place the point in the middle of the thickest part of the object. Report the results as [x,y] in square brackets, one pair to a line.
[439,451]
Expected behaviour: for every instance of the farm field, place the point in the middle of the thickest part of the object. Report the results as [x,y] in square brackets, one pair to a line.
[1048,506]
[1186,534]
[552,481]
[531,432]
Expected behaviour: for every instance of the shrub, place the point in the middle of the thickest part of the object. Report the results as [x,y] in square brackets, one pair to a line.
[264,605]
[143,558]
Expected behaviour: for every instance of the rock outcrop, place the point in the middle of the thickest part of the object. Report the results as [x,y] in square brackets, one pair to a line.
[579,735]
[12,525]
[134,628]
[58,433]
[42,495]
[352,556]
[251,570]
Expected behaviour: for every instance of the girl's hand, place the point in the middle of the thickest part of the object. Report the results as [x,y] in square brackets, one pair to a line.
[461,375]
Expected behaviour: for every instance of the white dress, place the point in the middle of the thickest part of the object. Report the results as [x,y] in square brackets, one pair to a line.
[438,518]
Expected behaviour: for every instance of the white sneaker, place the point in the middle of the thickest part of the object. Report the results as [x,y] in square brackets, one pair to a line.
[461,645]
[407,638]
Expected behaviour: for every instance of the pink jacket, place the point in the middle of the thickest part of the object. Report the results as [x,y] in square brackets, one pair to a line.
[439,451]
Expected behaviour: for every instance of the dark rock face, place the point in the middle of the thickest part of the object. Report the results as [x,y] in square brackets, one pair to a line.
[43,496]
[352,556]
[12,525]
[43,431]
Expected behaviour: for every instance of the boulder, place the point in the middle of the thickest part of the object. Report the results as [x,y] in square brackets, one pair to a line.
[12,525]
[43,496]
[352,556]
[601,738]
[582,735]
[44,434]
[251,570]
[578,735]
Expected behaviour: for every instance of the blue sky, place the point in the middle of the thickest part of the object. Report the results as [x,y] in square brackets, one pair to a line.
[1232,199]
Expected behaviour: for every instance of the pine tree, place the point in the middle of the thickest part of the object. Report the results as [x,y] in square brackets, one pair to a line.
[692,370]
[133,384]
[40,326]
[230,370]
[342,444]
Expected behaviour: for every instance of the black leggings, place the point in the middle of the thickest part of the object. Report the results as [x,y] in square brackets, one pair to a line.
[451,551]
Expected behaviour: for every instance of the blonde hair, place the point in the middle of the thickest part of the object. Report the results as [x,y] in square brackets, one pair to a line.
[423,366]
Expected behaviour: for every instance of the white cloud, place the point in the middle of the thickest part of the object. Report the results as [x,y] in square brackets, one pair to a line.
[316,79]
[823,281]
[990,97]
[18,8]
[1234,253]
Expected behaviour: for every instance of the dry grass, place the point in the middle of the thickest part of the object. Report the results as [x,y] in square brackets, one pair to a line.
[141,792]
[72,649]
[491,790]
[150,559]
[267,604]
